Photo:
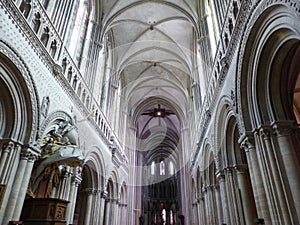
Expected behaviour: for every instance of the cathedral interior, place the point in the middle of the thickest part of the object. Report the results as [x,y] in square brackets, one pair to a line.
[149,112]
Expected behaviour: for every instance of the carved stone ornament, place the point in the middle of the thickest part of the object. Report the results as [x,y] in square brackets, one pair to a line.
[59,148]
[45,106]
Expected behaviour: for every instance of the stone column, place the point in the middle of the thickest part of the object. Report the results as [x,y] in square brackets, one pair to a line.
[10,165]
[219,204]
[205,206]
[213,204]
[107,216]
[256,179]
[276,194]
[14,194]
[54,192]
[291,164]
[63,192]
[232,195]
[195,213]
[200,213]
[224,199]
[24,187]
[247,201]
[97,206]
[88,209]
[121,214]
[102,207]
[5,154]
[75,181]
[8,177]
[114,214]
[131,190]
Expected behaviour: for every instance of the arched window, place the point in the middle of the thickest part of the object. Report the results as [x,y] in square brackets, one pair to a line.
[36,22]
[171,168]
[152,168]
[79,90]
[75,82]
[53,48]
[70,74]
[164,216]
[162,170]
[79,29]
[45,36]
[212,29]
[25,7]
[45,3]
[171,217]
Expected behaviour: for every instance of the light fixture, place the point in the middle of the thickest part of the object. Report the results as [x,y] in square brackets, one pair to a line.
[159,112]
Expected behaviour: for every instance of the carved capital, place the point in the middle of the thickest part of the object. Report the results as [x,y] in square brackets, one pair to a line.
[116,201]
[284,128]
[27,154]
[76,179]
[200,198]
[104,194]
[229,170]
[220,175]
[265,132]
[247,143]
[9,146]
[89,191]
[241,168]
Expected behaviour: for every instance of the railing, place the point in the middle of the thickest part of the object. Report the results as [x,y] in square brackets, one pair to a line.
[38,26]
[218,72]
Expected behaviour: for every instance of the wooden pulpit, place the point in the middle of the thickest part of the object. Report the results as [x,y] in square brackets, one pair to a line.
[44,211]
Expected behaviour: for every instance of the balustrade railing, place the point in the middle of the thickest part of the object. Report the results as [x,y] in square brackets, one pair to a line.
[219,69]
[41,30]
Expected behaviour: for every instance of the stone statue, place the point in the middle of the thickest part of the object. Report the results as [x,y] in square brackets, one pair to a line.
[45,106]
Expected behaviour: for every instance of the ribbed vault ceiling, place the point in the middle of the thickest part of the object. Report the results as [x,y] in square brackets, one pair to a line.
[153,51]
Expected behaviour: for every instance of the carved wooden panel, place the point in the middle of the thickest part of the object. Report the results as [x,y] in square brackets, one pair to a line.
[44,211]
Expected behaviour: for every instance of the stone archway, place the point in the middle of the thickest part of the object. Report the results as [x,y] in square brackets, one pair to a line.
[19,124]
[266,101]
[91,196]
[82,213]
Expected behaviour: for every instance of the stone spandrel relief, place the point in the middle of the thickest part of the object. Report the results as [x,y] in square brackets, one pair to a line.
[59,149]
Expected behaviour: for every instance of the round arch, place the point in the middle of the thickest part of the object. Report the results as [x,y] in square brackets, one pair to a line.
[265,58]
[224,112]
[18,103]
[94,159]
[113,183]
